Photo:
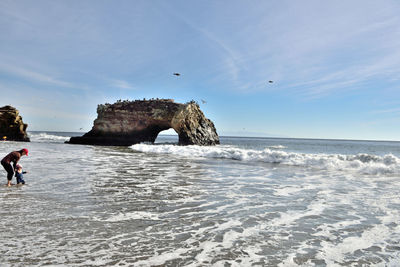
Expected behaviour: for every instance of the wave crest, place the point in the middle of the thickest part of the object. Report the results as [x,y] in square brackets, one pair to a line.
[364,163]
[45,137]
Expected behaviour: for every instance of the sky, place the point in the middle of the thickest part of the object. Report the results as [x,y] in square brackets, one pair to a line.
[335,65]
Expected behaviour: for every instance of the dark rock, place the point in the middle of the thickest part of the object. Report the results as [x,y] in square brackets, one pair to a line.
[130,122]
[12,128]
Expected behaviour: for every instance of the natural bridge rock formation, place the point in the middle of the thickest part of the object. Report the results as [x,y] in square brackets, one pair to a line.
[130,122]
[12,128]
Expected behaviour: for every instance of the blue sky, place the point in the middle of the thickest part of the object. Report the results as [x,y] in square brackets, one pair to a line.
[335,64]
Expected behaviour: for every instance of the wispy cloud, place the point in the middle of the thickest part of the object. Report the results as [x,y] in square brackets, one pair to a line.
[38,77]
[228,57]
[231,56]
[338,46]
[351,77]
[394,111]
[340,56]
[32,75]
[121,84]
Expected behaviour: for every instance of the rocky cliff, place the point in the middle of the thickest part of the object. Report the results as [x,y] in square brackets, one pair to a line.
[131,122]
[12,128]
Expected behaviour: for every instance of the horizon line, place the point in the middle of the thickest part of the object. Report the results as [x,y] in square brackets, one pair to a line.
[250,137]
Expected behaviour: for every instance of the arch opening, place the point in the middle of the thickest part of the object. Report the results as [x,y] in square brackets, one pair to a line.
[169,136]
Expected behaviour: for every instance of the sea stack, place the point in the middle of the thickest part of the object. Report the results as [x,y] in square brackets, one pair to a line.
[126,123]
[12,128]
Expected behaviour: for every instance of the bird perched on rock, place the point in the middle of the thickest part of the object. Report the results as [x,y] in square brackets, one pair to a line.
[177,74]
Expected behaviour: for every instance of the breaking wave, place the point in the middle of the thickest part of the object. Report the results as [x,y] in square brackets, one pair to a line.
[363,163]
[46,137]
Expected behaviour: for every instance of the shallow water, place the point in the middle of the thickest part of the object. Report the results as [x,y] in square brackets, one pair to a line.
[261,202]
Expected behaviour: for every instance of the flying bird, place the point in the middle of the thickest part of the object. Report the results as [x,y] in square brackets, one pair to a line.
[177,74]
[270,81]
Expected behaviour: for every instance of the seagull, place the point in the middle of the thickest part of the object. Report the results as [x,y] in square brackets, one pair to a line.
[177,74]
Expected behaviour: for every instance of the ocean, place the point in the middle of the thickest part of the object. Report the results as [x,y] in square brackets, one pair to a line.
[246,202]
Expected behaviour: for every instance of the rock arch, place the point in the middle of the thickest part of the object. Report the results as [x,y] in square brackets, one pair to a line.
[131,122]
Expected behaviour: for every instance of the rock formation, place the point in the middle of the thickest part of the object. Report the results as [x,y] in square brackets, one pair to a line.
[12,128]
[131,122]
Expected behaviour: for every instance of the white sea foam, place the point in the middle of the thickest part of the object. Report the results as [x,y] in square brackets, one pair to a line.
[334,253]
[137,215]
[45,137]
[161,259]
[112,207]
[363,163]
